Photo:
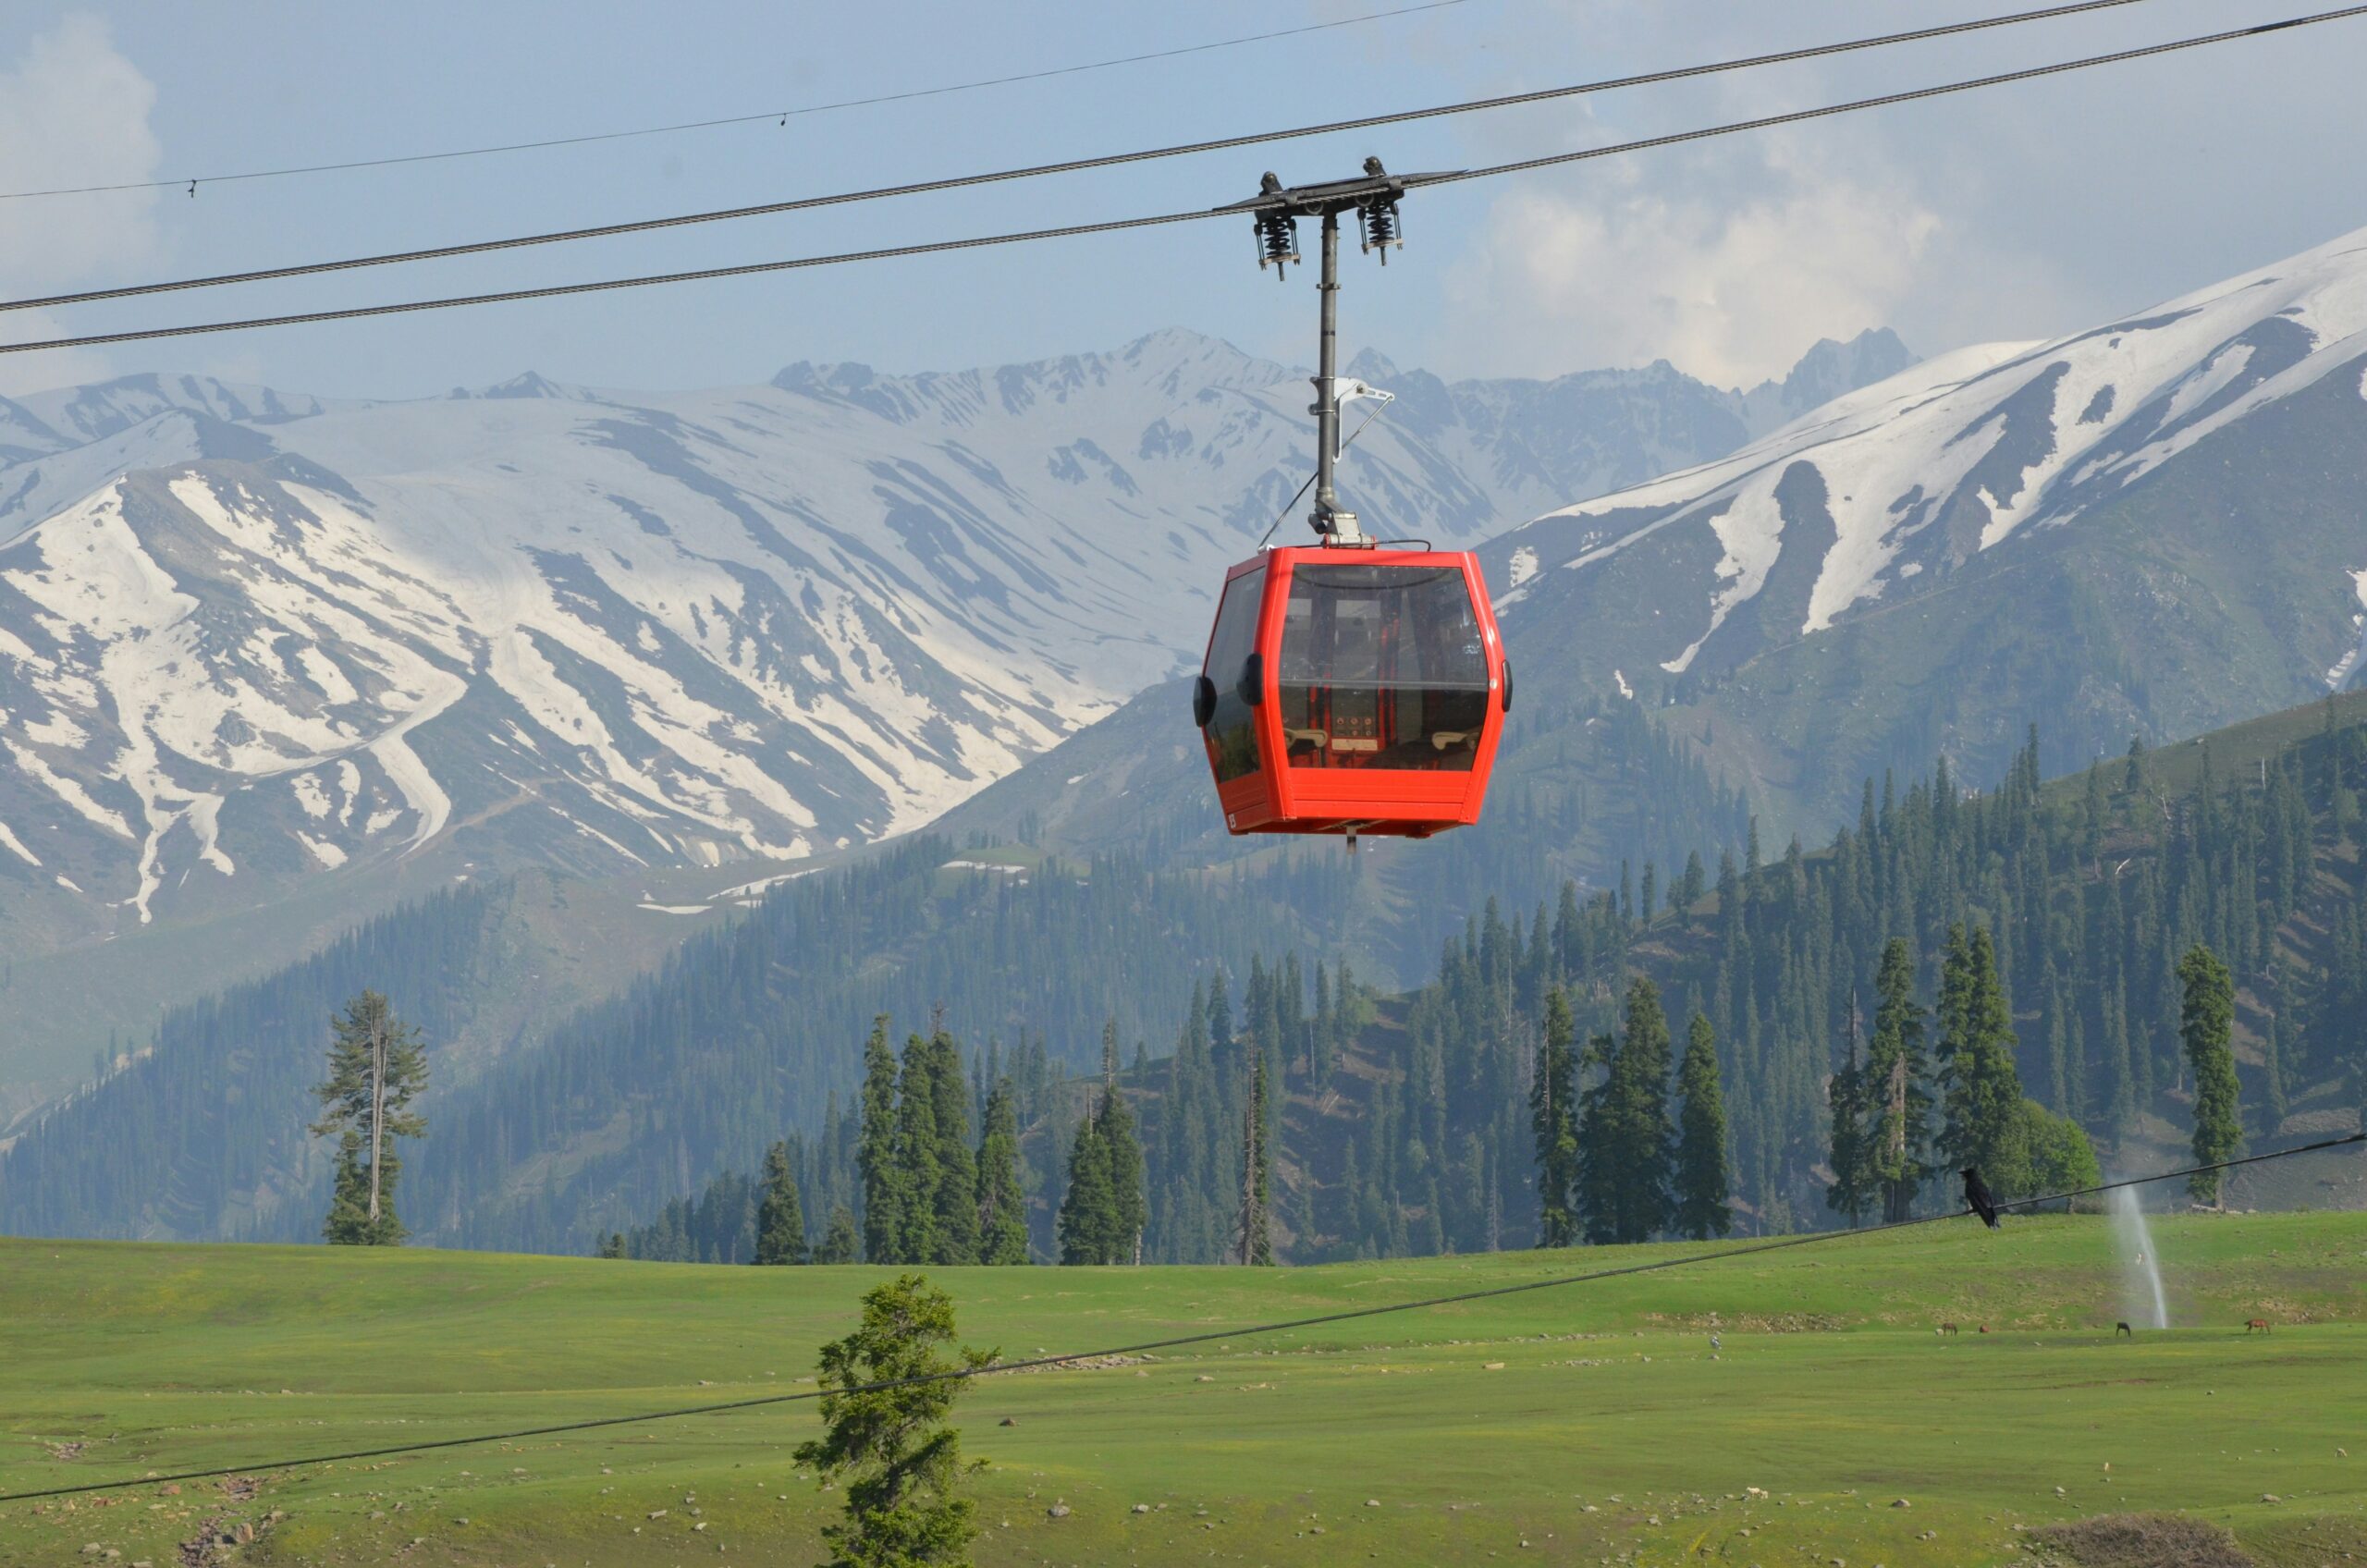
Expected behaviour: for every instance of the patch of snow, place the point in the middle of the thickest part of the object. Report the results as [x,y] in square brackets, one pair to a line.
[986,865]
[8,837]
[1524,565]
[322,850]
[1629,691]
[674,909]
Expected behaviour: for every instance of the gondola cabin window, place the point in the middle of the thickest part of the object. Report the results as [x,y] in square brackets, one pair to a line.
[1232,729]
[1382,667]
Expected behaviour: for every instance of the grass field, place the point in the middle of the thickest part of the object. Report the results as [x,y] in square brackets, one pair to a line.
[1582,1424]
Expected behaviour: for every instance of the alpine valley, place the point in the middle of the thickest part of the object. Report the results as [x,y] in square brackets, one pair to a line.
[595,669]
[268,665]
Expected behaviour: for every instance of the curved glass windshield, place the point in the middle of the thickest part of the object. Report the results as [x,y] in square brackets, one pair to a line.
[1232,735]
[1382,667]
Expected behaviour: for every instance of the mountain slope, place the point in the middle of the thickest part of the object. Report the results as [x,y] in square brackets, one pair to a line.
[2152,526]
[257,649]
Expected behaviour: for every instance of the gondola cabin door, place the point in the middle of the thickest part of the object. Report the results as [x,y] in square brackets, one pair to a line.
[1353,690]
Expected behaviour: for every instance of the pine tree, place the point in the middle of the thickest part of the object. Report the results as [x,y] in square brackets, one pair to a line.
[1256,1239]
[1122,1155]
[917,1147]
[780,1217]
[953,1230]
[1703,1177]
[1897,1076]
[840,1241]
[376,1067]
[875,1154]
[887,1392]
[1086,1209]
[1984,1126]
[2206,1024]
[612,1245]
[1553,1120]
[1002,1200]
[1597,1200]
[1847,1106]
[1643,1136]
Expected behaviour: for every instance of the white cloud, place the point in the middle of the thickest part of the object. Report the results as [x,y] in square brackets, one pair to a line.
[1731,285]
[73,110]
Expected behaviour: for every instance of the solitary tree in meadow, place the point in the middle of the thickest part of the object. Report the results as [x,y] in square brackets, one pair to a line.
[376,1067]
[891,1446]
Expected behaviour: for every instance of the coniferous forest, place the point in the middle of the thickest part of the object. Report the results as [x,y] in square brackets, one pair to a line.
[2048,920]
[2036,931]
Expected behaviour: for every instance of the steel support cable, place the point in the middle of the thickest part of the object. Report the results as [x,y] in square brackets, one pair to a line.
[1071,166]
[783,116]
[1179,1342]
[747,269]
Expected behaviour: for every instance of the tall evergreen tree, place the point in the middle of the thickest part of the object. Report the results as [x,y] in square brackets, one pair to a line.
[1088,1209]
[1597,1198]
[876,1153]
[1121,1155]
[1848,1104]
[953,1237]
[1985,1128]
[1899,1079]
[1703,1177]
[1003,1199]
[918,1149]
[376,1067]
[1257,1233]
[1554,1119]
[2206,1027]
[780,1217]
[1643,1135]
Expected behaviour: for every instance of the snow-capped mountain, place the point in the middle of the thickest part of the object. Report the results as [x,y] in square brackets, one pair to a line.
[2156,526]
[246,635]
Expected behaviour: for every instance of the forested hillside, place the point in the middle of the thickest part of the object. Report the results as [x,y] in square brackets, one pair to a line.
[742,1037]
[1407,1127]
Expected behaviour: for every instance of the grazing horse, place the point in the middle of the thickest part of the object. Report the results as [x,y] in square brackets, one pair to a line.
[2120,1329]
[2257,1326]
[1947,1329]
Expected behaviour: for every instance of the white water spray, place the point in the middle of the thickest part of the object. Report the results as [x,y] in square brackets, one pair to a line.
[2140,1275]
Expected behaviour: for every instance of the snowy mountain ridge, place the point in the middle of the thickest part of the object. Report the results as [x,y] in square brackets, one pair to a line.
[245,636]
[1929,469]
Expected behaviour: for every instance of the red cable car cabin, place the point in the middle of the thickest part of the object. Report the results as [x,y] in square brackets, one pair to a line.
[1353,690]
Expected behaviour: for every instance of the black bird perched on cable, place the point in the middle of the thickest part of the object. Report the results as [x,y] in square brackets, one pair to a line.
[1977,1198]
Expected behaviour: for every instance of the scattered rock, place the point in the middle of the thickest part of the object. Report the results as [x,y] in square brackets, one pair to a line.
[1011,1420]
[1901,1503]
[1493,1367]
[1204,1378]
[656,1513]
[2270,1497]
[1372,1502]
[700,1526]
[1058,1511]
[1142,1508]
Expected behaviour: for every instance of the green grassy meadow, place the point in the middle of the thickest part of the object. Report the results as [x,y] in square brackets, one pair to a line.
[1577,1425]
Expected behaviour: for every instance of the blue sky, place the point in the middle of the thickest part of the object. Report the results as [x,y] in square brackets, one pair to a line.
[2021,213]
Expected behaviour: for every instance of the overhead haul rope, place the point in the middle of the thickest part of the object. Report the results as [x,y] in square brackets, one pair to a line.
[1165,218]
[1349,1315]
[1071,166]
[783,116]
[1112,225]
